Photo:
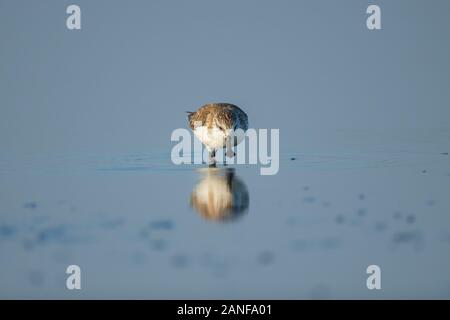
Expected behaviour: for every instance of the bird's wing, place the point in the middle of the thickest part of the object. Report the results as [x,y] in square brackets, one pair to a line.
[197,119]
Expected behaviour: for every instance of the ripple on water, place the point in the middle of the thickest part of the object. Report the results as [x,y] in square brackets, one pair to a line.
[340,219]
[309,199]
[380,226]
[410,237]
[162,225]
[430,203]
[265,257]
[361,212]
[410,218]
[179,261]
[30,205]
[7,231]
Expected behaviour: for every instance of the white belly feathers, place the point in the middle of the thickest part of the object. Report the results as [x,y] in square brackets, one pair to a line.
[215,138]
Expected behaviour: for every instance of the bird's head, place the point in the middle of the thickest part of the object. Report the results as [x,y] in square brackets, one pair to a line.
[227,126]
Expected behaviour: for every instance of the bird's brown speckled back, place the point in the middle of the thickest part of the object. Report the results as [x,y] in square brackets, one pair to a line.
[212,114]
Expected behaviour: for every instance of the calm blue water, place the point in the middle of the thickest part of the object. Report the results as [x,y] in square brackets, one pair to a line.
[134,226]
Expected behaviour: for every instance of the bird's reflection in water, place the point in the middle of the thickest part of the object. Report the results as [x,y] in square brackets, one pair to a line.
[220,195]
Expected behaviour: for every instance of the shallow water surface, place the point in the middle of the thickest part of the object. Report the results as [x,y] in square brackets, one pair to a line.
[141,227]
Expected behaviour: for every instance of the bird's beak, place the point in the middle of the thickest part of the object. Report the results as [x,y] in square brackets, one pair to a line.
[229,133]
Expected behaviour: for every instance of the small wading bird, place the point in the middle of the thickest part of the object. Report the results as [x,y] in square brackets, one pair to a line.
[215,124]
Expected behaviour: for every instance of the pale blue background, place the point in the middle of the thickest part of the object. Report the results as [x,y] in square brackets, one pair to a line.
[124,80]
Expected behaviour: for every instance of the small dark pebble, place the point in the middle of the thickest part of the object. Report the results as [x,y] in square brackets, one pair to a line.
[30,205]
[410,219]
[265,258]
[431,203]
[309,199]
[162,225]
[340,219]
[52,234]
[293,158]
[362,212]
[7,231]
[406,237]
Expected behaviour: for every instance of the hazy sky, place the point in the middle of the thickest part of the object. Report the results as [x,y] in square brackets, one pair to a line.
[123,82]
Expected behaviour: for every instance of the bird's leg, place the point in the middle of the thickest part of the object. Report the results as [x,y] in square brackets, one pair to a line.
[229,147]
[212,157]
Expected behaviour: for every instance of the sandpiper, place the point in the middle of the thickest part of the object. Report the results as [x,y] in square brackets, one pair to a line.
[215,125]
